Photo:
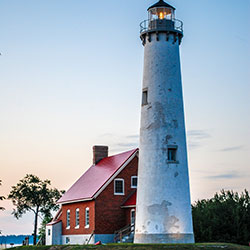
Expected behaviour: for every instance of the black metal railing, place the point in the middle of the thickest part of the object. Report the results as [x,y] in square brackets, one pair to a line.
[126,231]
[145,25]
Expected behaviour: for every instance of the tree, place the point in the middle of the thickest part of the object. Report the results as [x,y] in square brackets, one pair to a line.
[1,197]
[33,194]
[223,218]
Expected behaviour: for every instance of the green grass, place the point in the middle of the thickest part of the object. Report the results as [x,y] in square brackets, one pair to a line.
[200,246]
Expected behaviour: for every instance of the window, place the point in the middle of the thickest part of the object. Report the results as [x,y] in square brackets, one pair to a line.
[67,240]
[119,187]
[68,219]
[132,217]
[172,150]
[77,218]
[144,97]
[87,217]
[134,182]
[48,232]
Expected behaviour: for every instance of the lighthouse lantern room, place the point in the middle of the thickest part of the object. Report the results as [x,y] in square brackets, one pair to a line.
[161,17]
[161,11]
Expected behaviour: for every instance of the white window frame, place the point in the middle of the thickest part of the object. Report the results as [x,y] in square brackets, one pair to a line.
[87,217]
[132,211]
[123,186]
[133,177]
[68,219]
[77,219]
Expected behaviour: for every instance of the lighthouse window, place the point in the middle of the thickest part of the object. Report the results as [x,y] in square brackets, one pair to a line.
[172,154]
[119,187]
[144,97]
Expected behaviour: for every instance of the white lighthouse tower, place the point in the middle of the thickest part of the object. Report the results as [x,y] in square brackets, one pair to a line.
[163,210]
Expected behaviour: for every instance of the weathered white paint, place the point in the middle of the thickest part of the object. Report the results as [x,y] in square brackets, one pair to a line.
[55,236]
[82,239]
[77,239]
[48,239]
[163,212]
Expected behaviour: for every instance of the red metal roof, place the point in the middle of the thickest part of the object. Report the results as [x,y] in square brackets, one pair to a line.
[96,177]
[131,201]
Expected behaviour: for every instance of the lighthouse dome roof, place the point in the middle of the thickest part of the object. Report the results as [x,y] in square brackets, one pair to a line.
[161,3]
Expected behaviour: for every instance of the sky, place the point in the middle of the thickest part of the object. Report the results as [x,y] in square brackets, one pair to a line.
[71,78]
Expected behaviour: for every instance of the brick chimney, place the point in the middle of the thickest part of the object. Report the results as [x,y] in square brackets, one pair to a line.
[99,152]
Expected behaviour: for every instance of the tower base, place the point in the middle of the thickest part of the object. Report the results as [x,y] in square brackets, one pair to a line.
[164,238]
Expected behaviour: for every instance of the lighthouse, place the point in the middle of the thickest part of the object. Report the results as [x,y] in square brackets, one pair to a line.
[163,210]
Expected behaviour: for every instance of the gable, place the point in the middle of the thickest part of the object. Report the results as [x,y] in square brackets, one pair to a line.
[97,177]
[110,217]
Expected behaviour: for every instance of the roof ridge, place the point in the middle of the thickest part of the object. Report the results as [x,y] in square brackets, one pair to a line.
[132,150]
[95,178]
[121,165]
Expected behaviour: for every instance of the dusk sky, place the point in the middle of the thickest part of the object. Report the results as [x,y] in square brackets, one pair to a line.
[71,76]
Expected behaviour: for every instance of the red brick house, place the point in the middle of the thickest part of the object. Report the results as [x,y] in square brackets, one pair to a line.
[99,203]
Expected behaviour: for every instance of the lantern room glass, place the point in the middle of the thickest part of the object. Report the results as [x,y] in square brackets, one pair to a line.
[161,13]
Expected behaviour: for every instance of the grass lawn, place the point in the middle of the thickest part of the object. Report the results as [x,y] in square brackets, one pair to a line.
[201,246]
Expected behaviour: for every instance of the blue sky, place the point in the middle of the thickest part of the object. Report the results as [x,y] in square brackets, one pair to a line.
[71,75]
